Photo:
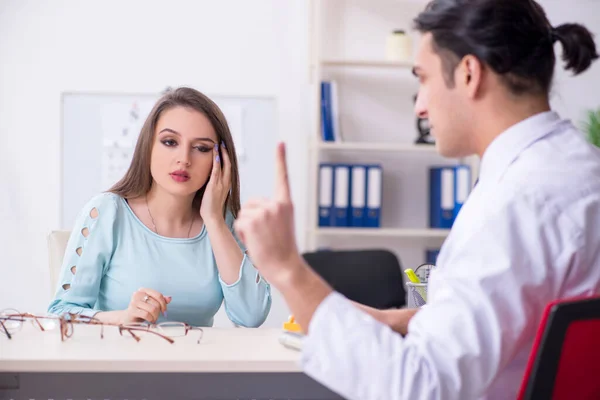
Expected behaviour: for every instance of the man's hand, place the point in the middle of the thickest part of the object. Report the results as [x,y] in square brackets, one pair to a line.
[397,319]
[267,229]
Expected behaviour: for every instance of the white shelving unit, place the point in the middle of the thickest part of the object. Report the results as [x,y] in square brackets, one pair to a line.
[383,232]
[366,65]
[367,146]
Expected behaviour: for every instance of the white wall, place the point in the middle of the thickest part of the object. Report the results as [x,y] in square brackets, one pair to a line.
[226,47]
[573,95]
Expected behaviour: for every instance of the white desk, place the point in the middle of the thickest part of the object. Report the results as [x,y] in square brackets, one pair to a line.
[227,364]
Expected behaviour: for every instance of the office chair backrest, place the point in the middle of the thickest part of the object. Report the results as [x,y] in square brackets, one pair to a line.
[57,243]
[564,362]
[370,277]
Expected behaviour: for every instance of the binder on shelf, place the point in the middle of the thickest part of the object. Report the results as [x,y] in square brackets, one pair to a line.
[441,197]
[325,194]
[341,195]
[462,186]
[431,256]
[358,197]
[326,114]
[335,113]
[374,196]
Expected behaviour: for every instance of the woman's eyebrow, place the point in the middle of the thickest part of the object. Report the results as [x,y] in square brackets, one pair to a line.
[204,139]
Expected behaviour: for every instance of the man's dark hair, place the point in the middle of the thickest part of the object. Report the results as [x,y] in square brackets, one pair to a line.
[512,37]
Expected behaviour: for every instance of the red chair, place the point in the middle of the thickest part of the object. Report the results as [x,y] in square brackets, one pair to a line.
[565,358]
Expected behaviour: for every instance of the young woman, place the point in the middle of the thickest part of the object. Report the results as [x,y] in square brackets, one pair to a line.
[160,244]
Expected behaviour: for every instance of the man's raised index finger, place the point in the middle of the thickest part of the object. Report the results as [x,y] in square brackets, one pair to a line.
[282,186]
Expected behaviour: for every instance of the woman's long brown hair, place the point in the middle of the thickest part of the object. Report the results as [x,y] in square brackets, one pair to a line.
[138,179]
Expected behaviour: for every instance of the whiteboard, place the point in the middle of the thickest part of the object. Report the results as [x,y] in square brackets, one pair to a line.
[99,132]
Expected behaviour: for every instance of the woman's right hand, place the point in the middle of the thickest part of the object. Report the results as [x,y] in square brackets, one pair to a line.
[145,305]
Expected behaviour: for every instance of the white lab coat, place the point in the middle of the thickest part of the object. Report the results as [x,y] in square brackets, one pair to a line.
[528,233]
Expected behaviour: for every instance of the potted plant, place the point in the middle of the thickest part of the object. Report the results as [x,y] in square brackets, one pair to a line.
[591,126]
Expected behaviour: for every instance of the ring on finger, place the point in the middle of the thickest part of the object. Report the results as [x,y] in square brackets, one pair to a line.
[146,298]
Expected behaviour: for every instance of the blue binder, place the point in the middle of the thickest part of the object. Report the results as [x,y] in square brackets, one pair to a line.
[358,197]
[462,186]
[325,194]
[431,256]
[341,195]
[326,112]
[441,197]
[374,196]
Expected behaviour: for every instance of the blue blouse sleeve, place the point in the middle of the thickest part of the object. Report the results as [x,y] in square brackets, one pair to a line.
[248,299]
[87,255]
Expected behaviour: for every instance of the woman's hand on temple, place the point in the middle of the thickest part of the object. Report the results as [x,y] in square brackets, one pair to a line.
[217,188]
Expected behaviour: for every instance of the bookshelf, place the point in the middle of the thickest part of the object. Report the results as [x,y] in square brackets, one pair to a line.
[369,146]
[384,232]
[377,124]
[367,64]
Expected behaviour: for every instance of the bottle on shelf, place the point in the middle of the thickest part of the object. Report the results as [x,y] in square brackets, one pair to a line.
[398,47]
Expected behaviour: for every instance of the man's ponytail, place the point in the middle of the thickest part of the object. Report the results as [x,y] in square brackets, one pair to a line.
[579,49]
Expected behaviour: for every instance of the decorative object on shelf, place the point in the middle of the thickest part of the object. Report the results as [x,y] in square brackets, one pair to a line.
[398,47]
[423,129]
[591,126]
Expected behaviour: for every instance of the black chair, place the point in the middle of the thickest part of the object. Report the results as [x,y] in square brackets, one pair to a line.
[369,277]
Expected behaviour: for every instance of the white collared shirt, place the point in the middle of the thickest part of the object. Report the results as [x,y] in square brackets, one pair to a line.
[528,233]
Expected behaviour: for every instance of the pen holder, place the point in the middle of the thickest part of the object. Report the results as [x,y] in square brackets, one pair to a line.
[417,294]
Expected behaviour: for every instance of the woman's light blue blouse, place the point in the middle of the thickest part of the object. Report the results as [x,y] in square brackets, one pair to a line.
[111,254]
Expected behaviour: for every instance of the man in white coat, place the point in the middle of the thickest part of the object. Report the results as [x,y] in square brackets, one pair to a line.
[528,233]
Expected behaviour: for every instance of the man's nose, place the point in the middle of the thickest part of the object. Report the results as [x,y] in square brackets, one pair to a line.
[420,107]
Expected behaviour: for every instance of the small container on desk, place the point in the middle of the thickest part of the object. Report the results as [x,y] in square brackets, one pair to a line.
[417,294]
[292,335]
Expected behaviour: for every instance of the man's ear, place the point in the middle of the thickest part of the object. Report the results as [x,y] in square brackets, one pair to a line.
[469,75]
